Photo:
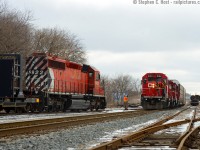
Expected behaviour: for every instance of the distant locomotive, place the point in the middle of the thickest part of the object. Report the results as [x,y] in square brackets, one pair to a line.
[195,100]
[49,83]
[158,92]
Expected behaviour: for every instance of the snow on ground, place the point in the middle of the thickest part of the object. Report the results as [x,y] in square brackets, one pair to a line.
[25,117]
[16,118]
[83,137]
[175,130]
[181,128]
[122,132]
[196,124]
[185,115]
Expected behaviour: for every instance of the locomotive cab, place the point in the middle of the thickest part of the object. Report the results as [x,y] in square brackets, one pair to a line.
[95,89]
[154,91]
[154,86]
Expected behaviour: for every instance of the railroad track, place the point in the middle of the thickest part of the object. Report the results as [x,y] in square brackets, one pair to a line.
[146,137]
[26,127]
[45,112]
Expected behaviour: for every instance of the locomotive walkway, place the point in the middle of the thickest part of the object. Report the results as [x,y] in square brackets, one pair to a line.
[26,127]
[146,137]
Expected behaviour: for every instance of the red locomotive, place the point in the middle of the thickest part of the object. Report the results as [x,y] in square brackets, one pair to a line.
[159,92]
[51,83]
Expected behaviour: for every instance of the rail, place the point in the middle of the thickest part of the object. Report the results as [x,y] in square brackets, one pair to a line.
[190,126]
[128,140]
[14,128]
[186,139]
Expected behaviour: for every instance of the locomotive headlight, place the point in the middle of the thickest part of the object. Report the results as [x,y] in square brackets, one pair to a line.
[37,100]
[153,85]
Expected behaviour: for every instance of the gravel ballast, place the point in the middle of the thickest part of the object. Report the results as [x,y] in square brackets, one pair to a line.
[81,137]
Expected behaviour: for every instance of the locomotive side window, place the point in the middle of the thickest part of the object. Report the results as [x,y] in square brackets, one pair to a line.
[165,81]
[97,77]
[90,74]
[143,81]
[158,79]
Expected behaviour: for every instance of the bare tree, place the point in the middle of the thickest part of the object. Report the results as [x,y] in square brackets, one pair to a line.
[116,87]
[122,85]
[18,36]
[136,83]
[15,30]
[59,42]
[108,88]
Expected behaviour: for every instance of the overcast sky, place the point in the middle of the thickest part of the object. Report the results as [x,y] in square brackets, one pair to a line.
[122,37]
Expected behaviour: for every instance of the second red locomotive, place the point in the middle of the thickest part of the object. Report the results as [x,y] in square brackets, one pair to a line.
[158,92]
[51,83]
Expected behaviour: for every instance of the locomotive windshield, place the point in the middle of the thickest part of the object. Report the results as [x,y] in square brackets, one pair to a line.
[151,79]
[157,79]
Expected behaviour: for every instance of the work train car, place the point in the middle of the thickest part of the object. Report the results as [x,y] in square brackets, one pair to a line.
[49,83]
[158,92]
[194,100]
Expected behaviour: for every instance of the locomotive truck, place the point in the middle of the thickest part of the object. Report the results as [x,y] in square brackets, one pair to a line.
[158,92]
[48,83]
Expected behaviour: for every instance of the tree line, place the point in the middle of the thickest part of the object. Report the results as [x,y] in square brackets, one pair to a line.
[118,86]
[18,35]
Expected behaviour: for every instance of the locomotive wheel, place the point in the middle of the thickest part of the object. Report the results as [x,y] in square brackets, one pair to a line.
[65,106]
[168,104]
[18,110]
[40,108]
[28,108]
[91,108]
[1,108]
[97,108]
[7,111]
[68,103]
[54,109]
